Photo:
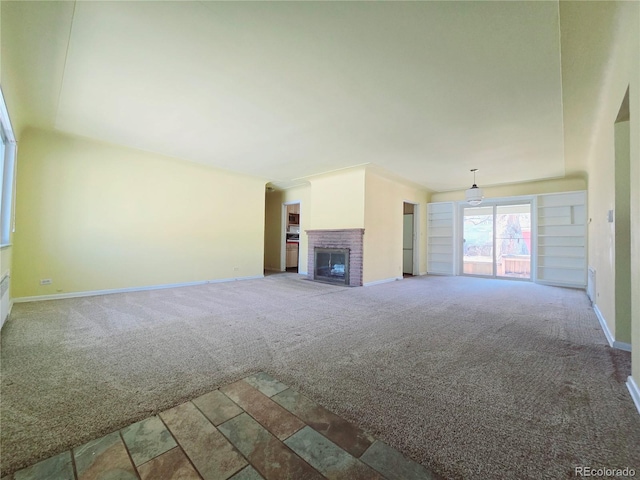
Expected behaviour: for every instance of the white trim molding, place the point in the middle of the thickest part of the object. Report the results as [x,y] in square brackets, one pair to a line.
[622,346]
[560,284]
[604,326]
[92,293]
[384,280]
[613,343]
[634,391]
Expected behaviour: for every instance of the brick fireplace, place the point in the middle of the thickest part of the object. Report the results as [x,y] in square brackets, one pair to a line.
[349,239]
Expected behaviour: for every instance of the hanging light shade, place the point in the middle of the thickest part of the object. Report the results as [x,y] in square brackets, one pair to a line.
[474,195]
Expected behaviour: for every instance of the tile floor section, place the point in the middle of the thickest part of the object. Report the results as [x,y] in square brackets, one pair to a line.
[256,428]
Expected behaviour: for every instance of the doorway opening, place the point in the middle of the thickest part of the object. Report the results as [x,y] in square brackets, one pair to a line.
[497,241]
[291,223]
[622,223]
[410,264]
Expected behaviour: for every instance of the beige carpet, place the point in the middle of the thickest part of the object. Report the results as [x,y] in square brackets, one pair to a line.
[473,378]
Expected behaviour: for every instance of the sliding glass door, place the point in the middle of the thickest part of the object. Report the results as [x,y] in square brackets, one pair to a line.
[497,241]
[477,246]
[513,241]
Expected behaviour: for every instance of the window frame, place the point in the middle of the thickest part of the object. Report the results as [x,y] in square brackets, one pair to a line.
[7,175]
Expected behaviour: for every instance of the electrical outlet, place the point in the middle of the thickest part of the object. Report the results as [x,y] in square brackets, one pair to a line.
[46,281]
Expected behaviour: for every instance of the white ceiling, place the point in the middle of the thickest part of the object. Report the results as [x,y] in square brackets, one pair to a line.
[285,90]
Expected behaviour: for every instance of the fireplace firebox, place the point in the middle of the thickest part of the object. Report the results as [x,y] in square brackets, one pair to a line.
[347,242]
[332,265]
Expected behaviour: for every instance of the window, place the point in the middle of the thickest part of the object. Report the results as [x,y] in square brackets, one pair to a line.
[7,169]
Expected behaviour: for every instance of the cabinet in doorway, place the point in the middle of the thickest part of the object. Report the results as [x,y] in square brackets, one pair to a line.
[294,219]
[292,254]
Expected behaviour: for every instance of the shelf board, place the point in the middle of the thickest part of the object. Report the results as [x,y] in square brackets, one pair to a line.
[560,236]
[562,268]
[561,206]
[561,225]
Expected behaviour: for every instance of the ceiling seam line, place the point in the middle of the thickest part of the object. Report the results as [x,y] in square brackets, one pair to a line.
[564,145]
[64,68]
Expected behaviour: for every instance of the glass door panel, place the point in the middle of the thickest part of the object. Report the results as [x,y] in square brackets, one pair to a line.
[477,250]
[513,241]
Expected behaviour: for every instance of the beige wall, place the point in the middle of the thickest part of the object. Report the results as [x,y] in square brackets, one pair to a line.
[622,234]
[568,184]
[635,213]
[603,41]
[93,216]
[337,200]
[384,210]
[273,229]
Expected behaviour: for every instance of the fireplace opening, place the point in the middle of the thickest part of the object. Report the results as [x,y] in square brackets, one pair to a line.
[332,265]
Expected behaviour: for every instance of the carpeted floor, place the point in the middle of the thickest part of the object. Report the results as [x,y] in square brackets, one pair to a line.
[473,378]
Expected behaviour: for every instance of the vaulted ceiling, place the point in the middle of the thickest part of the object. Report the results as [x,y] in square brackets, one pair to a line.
[285,90]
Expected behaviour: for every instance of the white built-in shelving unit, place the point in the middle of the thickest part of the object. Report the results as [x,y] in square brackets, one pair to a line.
[562,239]
[559,224]
[440,238]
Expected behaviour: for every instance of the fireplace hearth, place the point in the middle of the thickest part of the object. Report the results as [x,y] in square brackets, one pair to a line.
[335,256]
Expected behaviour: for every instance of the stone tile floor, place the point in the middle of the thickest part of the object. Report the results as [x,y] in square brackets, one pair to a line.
[256,428]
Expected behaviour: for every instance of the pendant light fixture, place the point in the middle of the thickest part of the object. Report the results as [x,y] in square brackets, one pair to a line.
[474,195]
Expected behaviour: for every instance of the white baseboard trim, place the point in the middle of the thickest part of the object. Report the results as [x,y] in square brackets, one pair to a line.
[622,346]
[604,326]
[607,333]
[384,280]
[303,273]
[634,391]
[92,293]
